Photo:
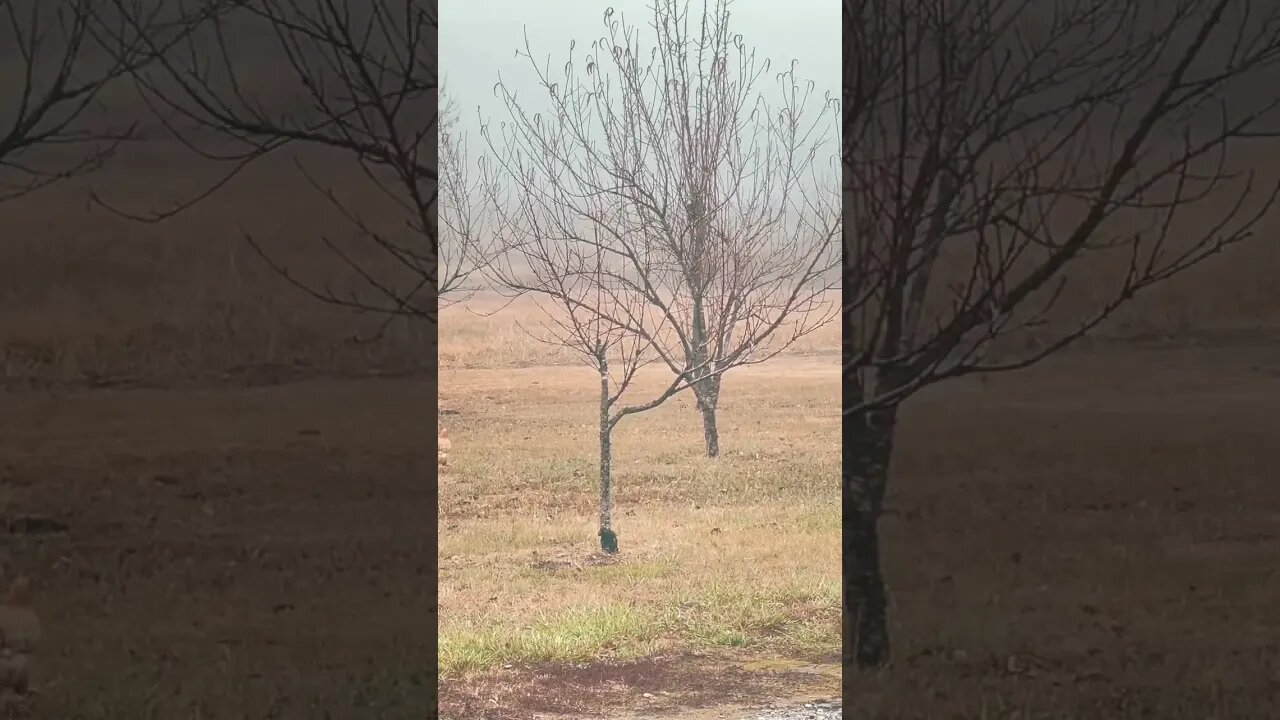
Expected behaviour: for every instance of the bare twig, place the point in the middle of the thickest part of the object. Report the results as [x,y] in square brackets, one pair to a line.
[999,154]
[59,57]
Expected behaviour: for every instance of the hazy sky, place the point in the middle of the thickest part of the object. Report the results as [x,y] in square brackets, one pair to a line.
[479,38]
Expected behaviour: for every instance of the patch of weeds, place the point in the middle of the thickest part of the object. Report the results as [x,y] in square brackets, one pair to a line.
[736,616]
[477,539]
[718,616]
[633,572]
[615,631]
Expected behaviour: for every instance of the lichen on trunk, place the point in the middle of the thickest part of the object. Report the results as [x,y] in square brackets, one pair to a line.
[706,386]
[608,538]
[707,393]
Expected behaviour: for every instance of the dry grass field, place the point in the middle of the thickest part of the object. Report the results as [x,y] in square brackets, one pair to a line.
[490,330]
[738,556]
[727,566]
[245,493]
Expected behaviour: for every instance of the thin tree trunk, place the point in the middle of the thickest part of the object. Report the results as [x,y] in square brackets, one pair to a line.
[708,395]
[868,446]
[608,539]
[710,433]
[706,387]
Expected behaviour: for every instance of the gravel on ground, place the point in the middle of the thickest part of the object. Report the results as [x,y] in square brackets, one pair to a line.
[816,710]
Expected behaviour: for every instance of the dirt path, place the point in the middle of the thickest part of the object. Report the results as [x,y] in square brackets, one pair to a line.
[703,686]
[803,707]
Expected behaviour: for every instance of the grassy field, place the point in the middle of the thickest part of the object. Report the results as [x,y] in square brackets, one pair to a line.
[740,553]
[724,563]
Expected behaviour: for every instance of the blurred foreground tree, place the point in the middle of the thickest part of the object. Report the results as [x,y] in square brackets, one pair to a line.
[355,78]
[999,155]
[60,59]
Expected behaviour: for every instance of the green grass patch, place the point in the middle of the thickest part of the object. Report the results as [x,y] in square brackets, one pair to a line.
[795,616]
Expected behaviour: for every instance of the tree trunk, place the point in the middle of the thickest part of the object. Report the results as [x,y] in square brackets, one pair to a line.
[868,446]
[708,395]
[706,385]
[608,539]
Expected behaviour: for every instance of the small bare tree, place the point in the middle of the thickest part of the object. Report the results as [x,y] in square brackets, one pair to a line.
[999,154]
[726,206]
[593,306]
[356,78]
[584,302]
[59,57]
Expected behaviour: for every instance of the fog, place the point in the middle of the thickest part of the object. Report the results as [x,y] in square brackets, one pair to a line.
[478,40]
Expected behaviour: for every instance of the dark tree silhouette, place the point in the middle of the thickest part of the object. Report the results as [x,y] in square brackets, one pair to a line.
[59,56]
[997,153]
[355,78]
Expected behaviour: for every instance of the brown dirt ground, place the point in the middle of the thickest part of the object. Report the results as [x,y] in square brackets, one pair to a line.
[232,551]
[690,687]
[1095,538]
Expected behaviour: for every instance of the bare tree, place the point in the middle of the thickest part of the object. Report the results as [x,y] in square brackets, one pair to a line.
[999,154]
[59,56]
[593,306]
[591,312]
[355,78]
[722,207]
